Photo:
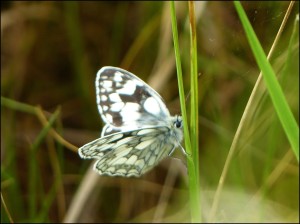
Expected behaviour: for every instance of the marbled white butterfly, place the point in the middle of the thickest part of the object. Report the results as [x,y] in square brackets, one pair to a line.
[139,131]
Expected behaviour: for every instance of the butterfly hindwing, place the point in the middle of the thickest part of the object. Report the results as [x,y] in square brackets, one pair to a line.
[129,153]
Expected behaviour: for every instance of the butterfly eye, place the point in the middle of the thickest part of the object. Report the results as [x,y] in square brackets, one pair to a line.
[178,123]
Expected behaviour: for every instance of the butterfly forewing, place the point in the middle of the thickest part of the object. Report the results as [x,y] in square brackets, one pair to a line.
[125,102]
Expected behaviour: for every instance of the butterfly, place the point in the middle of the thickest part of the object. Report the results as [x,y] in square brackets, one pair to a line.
[139,131]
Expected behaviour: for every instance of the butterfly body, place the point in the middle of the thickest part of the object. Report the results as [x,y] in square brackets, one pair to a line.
[139,131]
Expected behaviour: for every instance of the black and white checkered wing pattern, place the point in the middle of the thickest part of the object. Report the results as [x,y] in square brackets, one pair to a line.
[125,102]
[139,131]
[130,153]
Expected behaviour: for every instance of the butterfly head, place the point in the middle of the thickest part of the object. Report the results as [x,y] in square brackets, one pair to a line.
[177,133]
[177,122]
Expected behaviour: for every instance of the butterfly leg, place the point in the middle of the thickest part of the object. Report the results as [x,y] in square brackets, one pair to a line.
[183,150]
[172,150]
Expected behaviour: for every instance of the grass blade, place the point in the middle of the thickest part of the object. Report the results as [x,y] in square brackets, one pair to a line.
[33,169]
[193,180]
[194,122]
[282,109]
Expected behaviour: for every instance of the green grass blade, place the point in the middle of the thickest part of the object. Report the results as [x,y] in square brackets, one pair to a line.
[194,122]
[193,180]
[46,204]
[282,109]
[180,79]
[12,104]
[33,166]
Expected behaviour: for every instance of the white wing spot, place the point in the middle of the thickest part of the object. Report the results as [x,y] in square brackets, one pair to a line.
[93,148]
[140,163]
[104,77]
[123,141]
[115,97]
[145,131]
[132,106]
[118,77]
[121,171]
[157,150]
[131,160]
[130,111]
[119,161]
[147,156]
[106,84]
[105,108]
[128,88]
[103,98]
[151,161]
[144,144]
[129,107]
[109,117]
[122,153]
[111,169]
[151,105]
[106,146]
[116,107]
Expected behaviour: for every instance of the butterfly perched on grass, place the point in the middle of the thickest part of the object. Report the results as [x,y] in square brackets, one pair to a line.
[139,131]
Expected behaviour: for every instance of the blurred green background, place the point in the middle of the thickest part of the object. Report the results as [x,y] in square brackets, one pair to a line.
[50,53]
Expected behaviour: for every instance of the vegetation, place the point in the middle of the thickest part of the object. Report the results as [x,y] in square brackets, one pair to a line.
[246,167]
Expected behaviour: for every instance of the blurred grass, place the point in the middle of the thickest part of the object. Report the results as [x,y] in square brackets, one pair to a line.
[34,174]
[281,106]
[247,112]
[45,55]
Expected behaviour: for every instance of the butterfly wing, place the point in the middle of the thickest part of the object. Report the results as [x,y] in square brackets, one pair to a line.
[130,153]
[125,102]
